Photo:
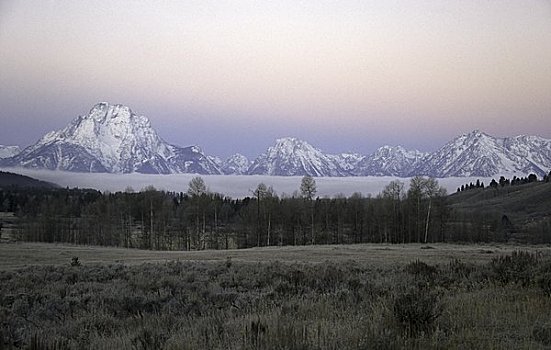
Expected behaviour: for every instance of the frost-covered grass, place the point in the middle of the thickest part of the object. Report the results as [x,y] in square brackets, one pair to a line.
[235,186]
[25,254]
[499,304]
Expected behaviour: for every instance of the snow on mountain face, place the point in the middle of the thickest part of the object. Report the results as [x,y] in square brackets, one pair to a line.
[237,164]
[294,157]
[473,154]
[479,154]
[347,161]
[112,139]
[8,151]
[390,161]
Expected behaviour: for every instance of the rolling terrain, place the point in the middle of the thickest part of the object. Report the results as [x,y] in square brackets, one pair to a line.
[518,212]
[8,179]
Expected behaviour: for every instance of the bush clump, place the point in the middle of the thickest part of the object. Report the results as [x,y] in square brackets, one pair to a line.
[416,311]
[516,268]
[421,268]
[543,278]
[542,333]
[74,261]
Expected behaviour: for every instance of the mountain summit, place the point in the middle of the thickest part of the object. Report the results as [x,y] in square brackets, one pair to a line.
[237,164]
[293,157]
[479,154]
[111,138]
[390,161]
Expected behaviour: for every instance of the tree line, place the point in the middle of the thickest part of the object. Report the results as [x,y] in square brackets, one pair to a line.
[200,219]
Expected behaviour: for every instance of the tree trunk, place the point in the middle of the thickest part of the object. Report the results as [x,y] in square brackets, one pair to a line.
[313,230]
[427,224]
[151,220]
[269,227]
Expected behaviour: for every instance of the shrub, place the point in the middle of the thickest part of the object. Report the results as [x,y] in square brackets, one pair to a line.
[544,278]
[416,311]
[147,338]
[74,261]
[515,268]
[228,262]
[420,268]
[542,333]
[458,267]
[256,331]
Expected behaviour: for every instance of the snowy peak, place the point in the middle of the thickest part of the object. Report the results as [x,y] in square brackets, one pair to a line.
[348,161]
[388,152]
[8,151]
[236,164]
[479,154]
[111,138]
[390,161]
[294,157]
[291,145]
[120,140]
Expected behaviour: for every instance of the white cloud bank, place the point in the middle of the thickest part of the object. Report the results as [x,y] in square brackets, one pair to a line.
[235,186]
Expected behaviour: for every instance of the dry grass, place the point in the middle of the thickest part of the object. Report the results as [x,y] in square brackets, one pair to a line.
[324,297]
[19,255]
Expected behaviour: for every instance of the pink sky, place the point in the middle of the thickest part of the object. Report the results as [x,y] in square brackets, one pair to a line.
[232,76]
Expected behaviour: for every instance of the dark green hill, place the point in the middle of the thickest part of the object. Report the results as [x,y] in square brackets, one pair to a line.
[521,212]
[8,179]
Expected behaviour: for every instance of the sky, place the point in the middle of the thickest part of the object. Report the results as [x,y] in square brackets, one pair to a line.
[232,76]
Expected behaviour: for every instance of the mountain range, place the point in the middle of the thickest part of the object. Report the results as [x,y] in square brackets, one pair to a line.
[113,139]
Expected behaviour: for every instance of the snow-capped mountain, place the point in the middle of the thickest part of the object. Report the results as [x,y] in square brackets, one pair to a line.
[293,157]
[111,138]
[237,164]
[8,151]
[390,161]
[479,154]
[347,161]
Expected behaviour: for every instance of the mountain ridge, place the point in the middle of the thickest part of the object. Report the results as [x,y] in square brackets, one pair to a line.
[113,139]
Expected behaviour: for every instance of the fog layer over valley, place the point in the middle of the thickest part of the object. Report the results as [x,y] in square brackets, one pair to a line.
[235,186]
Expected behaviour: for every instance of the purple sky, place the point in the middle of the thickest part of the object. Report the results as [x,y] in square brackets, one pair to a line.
[232,76]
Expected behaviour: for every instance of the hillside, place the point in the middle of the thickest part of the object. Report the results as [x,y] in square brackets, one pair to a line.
[8,179]
[512,211]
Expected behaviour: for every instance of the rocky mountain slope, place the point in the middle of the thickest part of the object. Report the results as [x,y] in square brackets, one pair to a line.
[8,151]
[111,138]
[479,154]
[237,164]
[293,157]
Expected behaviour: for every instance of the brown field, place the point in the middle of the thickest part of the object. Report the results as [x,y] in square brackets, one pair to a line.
[19,254]
[368,296]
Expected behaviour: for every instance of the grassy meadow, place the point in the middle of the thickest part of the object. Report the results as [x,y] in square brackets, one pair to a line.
[323,297]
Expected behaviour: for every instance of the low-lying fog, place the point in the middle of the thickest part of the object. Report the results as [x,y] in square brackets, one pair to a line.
[235,186]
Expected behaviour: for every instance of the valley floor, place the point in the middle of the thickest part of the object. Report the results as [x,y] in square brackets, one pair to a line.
[24,254]
[368,296]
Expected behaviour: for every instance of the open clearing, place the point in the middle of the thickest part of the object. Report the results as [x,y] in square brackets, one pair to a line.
[19,255]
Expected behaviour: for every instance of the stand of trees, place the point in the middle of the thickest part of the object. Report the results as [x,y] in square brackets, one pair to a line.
[199,219]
